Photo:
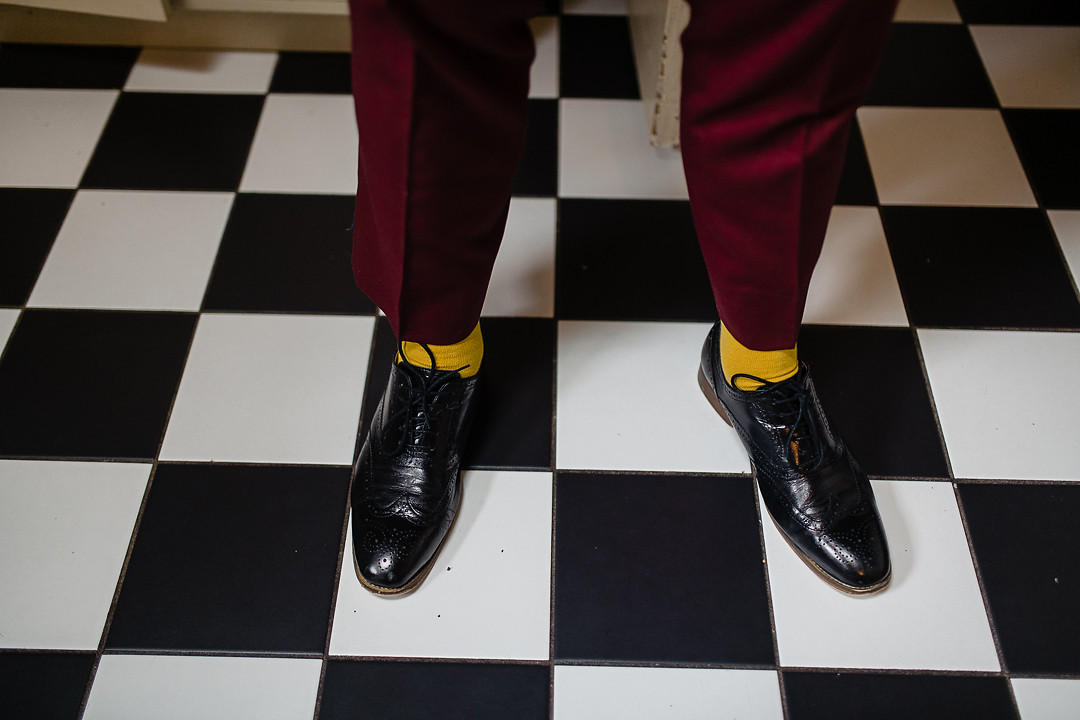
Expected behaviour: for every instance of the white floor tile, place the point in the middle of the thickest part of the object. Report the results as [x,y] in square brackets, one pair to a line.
[134,250]
[271,388]
[1066,224]
[638,693]
[1031,66]
[594,7]
[1002,416]
[854,283]
[943,156]
[210,688]
[544,74]
[304,144]
[523,281]
[1040,699]
[931,616]
[931,11]
[604,152]
[64,531]
[47,136]
[201,71]
[8,318]
[628,399]
[489,594]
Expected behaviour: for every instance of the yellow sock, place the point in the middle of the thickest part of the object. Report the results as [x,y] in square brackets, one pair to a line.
[464,356]
[769,365]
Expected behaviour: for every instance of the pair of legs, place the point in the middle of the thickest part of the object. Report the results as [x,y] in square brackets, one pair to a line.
[769,92]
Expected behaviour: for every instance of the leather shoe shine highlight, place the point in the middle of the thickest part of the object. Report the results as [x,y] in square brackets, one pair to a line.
[815,491]
[407,480]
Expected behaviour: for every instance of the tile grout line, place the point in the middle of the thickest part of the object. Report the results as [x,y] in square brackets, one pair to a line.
[1074,280]
[987,610]
[154,463]
[985,74]
[991,621]
[784,710]
[18,321]
[937,418]
[963,517]
[343,550]
[917,344]
[100,651]
[20,311]
[554,330]
[138,523]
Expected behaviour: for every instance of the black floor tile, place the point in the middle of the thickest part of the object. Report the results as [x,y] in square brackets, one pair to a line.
[979,267]
[90,384]
[595,58]
[538,173]
[871,384]
[175,141]
[1012,12]
[931,64]
[629,260]
[233,558]
[659,569]
[1025,538]
[65,66]
[43,685]
[512,428]
[424,690]
[32,218]
[312,72]
[1046,141]
[856,182]
[855,696]
[287,253]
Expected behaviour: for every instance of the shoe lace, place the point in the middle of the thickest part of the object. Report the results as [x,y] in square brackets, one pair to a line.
[416,416]
[792,406]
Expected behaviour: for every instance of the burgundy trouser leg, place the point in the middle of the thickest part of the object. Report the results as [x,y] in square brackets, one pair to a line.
[441,91]
[769,91]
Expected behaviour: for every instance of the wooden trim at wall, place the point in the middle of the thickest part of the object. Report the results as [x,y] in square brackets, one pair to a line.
[142,9]
[184,29]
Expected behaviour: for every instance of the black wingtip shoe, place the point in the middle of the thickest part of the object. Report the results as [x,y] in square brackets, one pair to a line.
[818,496]
[407,481]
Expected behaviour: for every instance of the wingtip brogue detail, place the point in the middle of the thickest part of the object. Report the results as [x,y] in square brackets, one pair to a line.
[407,480]
[816,493]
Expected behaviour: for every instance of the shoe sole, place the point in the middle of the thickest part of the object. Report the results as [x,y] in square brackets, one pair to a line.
[421,575]
[855,590]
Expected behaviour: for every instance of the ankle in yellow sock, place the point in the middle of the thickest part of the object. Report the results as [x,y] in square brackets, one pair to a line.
[464,356]
[769,365]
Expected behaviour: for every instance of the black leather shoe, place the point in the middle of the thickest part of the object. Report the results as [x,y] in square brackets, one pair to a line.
[816,493]
[407,481]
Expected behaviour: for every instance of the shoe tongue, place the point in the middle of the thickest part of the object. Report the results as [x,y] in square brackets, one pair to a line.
[430,374]
[414,413]
[803,441]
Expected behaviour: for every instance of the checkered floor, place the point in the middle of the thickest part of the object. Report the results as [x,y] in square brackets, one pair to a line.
[187,363]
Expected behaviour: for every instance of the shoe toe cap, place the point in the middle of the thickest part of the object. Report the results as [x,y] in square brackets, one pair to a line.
[382,571]
[856,554]
[386,554]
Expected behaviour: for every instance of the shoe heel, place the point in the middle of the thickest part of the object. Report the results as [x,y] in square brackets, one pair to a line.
[710,395]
